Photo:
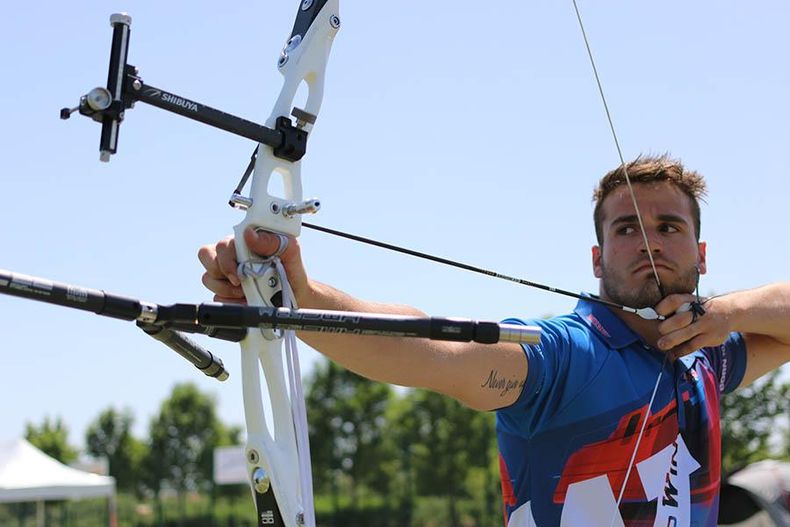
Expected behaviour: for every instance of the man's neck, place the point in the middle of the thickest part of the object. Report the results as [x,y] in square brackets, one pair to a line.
[646,329]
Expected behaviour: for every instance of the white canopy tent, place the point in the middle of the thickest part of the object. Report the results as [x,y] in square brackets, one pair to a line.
[757,496]
[27,474]
[770,479]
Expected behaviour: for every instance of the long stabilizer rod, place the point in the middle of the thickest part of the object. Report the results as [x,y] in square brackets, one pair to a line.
[229,321]
[124,308]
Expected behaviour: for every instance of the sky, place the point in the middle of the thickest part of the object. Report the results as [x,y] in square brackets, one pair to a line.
[473,131]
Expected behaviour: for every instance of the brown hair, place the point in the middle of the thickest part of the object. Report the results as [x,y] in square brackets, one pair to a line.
[650,169]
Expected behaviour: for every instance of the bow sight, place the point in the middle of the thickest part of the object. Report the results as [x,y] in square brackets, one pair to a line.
[125,87]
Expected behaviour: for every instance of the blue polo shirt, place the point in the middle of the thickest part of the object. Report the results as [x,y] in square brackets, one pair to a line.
[565,445]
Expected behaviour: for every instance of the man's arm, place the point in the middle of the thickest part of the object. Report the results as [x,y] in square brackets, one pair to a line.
[481,376]
[762,315]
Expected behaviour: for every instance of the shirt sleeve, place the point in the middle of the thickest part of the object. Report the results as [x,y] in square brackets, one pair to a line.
[549,378]
[728,362]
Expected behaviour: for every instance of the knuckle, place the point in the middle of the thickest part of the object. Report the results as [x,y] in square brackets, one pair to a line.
[225,244]
[206,256]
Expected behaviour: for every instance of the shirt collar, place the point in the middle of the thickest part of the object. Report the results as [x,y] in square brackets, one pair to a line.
[606,324]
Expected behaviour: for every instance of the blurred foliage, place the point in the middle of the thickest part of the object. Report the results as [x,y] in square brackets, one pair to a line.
[51,437]
[754,422]
[110,435]
[381,457]
[348,427]
[181,443]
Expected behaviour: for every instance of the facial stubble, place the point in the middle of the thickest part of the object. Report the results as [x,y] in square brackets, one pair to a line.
[614,287]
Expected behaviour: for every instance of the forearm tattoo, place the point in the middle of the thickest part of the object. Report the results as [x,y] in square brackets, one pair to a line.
[500,383]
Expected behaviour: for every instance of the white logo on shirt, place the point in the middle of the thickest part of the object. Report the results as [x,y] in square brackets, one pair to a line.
[665,478]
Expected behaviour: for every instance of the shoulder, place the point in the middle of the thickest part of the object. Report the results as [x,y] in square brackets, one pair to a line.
[559,331]
[727,361]
[568,355]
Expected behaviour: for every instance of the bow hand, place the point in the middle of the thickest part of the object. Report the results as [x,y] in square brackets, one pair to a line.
[221,265]
[221,276]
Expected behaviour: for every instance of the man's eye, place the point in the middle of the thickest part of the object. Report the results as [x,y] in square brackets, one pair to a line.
[626,229]
[669,228]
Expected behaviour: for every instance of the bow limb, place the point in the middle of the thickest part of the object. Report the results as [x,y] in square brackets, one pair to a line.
[283,494]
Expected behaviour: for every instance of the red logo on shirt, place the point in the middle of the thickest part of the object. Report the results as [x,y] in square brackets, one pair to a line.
[597,325]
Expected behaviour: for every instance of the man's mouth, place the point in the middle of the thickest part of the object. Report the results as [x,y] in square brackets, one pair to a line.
[648,267]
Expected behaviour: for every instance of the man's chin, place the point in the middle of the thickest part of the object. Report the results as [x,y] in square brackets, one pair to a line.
[644,292]
[641,303]
[679,290]
[647,297]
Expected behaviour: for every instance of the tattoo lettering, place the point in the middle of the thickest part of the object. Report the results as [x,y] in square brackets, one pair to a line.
[504,386]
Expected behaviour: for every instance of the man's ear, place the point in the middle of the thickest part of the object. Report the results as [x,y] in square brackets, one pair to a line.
[597,255]
[702,263]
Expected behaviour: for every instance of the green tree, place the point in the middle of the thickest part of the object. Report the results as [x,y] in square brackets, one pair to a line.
[51,437]
[404,434]
[110,435]
[323,411]
[348,422]
[483,477]
[363,430]
[749,419]
[181,443]
[449,440]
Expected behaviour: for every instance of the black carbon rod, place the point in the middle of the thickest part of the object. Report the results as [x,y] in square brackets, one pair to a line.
[232,316]
[114,306]
[355,323]
[465,266]
[199,356]
[93,300]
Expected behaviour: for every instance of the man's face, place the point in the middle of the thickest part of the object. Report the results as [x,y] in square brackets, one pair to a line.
[622,261]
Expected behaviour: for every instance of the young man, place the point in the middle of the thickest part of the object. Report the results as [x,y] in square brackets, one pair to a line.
[575,447]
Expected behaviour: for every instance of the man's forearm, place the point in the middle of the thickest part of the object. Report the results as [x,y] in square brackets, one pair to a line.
[322,296]
[763,311]
[459,369]
[762,315]
[389,359]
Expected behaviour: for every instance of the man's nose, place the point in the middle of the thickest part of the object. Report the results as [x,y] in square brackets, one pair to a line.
[653,241]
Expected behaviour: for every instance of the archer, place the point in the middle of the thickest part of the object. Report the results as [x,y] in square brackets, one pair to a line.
[587,435]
